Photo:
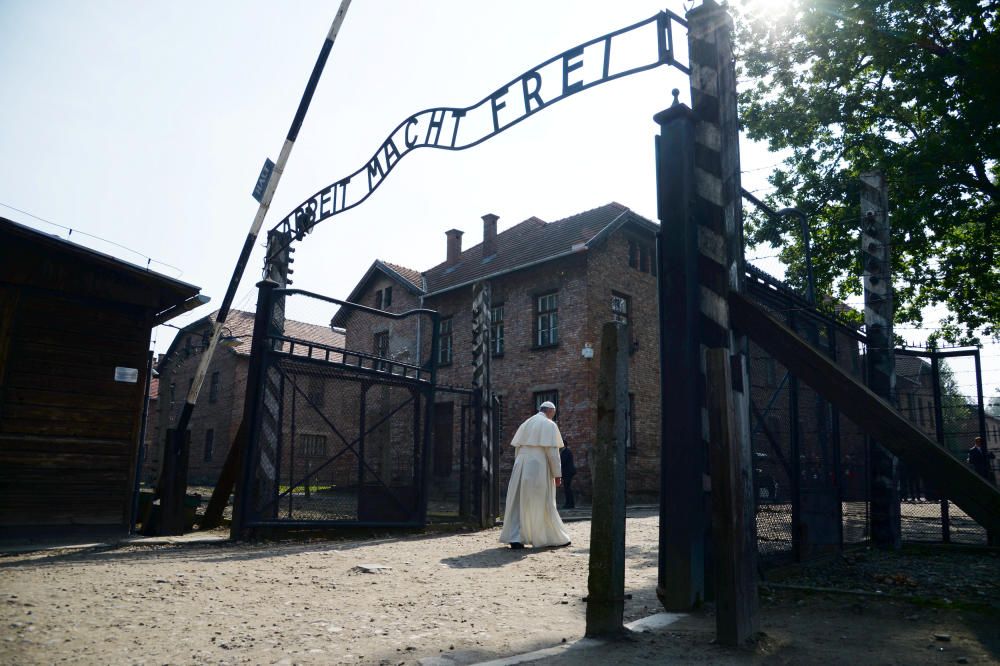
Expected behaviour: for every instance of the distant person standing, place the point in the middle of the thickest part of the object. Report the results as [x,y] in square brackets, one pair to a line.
[980,459]
[568,472]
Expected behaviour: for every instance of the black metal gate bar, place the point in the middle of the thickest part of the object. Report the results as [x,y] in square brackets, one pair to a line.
[383,437]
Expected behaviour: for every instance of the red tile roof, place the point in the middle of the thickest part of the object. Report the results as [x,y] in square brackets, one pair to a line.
[240,325]
[531,242]
[410,275]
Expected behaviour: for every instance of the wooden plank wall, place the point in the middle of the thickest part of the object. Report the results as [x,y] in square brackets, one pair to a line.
[68,430]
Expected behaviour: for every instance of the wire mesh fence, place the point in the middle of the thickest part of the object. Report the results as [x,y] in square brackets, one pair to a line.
[811,464]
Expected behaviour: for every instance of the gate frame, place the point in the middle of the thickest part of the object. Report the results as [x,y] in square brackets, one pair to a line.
[265,331]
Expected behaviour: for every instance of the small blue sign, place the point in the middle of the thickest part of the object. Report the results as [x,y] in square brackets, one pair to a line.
[263,179]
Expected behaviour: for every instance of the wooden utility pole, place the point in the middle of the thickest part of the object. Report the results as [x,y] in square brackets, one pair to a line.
[709,264]
[606,584]
[735,582]
[880,359]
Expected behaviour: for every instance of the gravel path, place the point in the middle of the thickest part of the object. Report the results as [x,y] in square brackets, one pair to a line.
[456,594]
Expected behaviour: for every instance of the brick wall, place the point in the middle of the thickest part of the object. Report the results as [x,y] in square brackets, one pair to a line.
[221,416]
[610,273]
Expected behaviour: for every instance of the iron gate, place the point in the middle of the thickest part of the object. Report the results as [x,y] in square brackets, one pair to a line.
[340,415]
[811,464]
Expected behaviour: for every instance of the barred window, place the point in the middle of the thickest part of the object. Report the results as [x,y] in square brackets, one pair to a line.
[317,396]
[444,342]
[619,307]
[550,396]
[209,451]
[213,388]
[312,445]
[496,330]
[381,348]
[547,320]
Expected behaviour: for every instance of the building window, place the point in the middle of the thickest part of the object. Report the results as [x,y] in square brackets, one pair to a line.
[496,330]
[213,388]
[920,409]
[444,342]
[209,445]
[173,392]
[381,348]
[312,445]
[619,307]
[550,396]
[642,256]
[317,396]
[547,320]
[381,344]
[387,297]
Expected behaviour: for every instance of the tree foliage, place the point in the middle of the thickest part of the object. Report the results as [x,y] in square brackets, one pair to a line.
[907,87]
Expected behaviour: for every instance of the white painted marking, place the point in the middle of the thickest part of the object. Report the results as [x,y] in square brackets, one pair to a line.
[708,186]
[714,306]
[646,624]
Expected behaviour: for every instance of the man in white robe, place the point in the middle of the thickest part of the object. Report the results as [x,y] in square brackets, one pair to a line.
[531,516]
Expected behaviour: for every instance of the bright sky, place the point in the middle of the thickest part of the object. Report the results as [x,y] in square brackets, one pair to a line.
[147,123]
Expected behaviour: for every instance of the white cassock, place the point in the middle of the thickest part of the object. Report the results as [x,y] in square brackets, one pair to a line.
[531,516]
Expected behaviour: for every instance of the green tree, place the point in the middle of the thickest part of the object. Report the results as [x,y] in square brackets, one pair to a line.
[993,405]
[908,87]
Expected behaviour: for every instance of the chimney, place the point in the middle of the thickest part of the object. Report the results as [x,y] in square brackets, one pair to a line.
[454,246]
[489,235]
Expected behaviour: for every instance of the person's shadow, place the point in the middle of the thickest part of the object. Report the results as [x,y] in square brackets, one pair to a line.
[493,557]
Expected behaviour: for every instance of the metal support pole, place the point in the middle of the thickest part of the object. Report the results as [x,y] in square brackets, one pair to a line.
[881,360]
[253,411]
[838,471]
[939,433]
[140,458]
[265,203]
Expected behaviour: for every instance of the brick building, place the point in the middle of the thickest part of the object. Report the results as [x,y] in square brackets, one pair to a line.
[220,405]
[554,284]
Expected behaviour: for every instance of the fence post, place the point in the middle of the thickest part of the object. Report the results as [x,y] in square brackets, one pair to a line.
[735,590]
[253,408]
[881,360]
[606,583]
[489,501]
[683,506]
[939,433]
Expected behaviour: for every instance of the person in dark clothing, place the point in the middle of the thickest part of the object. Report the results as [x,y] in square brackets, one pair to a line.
[568,472]
[980,459]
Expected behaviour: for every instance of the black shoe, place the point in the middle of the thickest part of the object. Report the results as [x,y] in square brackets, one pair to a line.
[516,546]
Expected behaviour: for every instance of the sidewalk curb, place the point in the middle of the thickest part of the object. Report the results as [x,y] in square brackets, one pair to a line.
[646,624]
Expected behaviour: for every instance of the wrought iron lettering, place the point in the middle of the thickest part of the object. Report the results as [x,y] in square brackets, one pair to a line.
[598,61]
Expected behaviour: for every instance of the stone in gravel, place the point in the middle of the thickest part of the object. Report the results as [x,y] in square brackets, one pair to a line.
[942,637]
[372,569]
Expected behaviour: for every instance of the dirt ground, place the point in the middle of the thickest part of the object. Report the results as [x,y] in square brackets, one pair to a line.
[456,598]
